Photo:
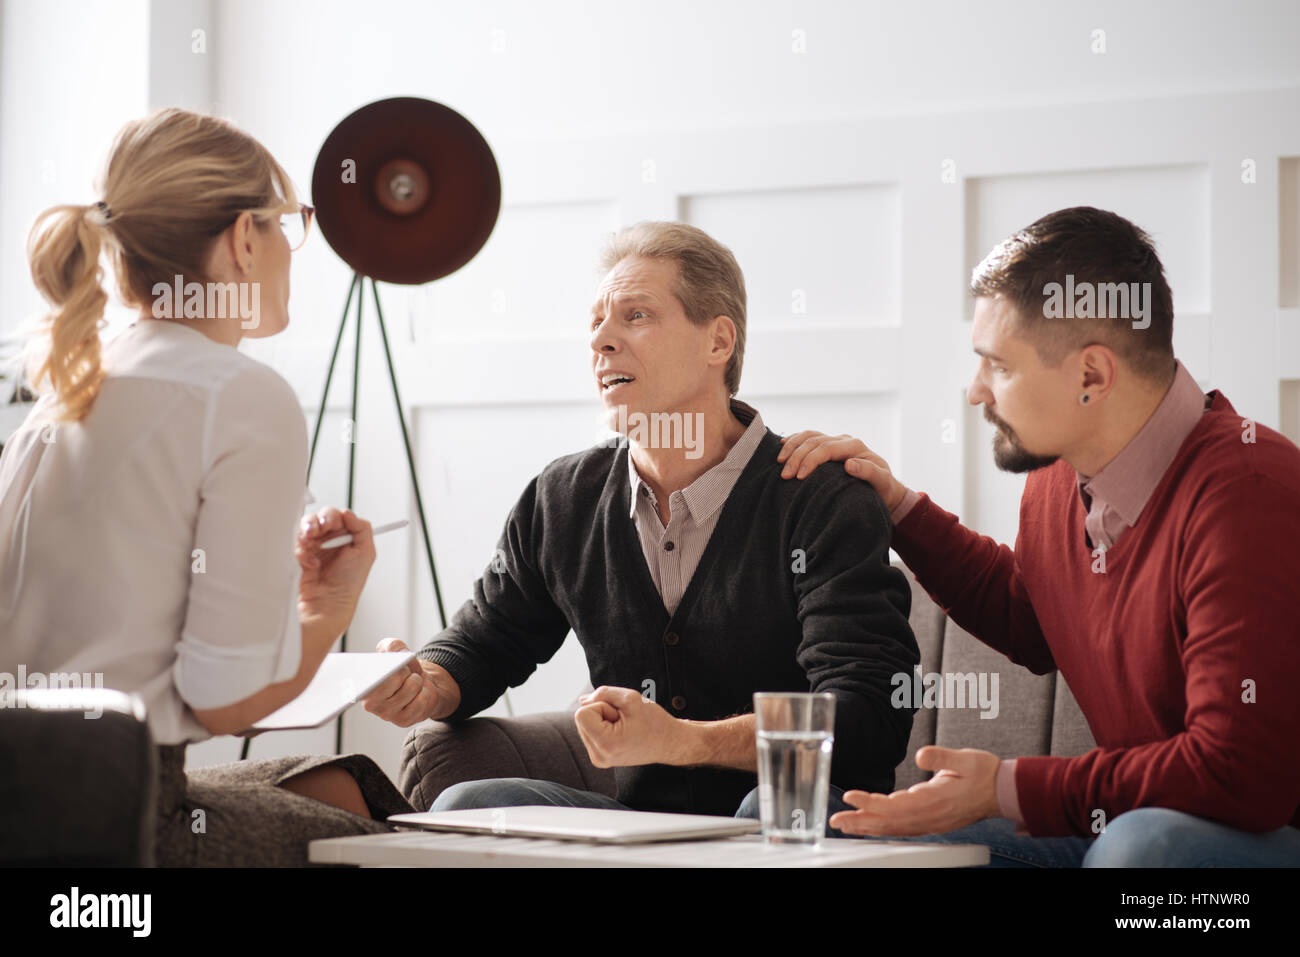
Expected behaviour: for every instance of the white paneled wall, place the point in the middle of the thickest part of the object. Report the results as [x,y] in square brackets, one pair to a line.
[793,243]
[529,291]
[1288,316]
[71,74]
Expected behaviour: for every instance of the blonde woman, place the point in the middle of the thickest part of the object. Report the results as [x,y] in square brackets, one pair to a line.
[150,504]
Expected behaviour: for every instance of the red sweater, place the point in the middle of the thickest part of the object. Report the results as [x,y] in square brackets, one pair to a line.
[1184,654]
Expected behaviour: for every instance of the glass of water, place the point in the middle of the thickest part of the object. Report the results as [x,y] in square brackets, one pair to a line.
[795,735]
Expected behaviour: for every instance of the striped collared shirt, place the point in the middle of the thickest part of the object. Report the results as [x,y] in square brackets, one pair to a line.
[672,552]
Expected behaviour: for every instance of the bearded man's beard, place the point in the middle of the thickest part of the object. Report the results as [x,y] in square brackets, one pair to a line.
[1008,454]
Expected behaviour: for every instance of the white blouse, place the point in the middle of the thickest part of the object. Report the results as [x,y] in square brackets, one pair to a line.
[152,542]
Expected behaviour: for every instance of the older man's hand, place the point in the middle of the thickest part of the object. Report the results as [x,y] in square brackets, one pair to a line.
[421,691]
[961,793]
[621,728]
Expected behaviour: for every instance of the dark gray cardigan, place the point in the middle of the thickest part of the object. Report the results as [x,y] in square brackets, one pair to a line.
[794,592]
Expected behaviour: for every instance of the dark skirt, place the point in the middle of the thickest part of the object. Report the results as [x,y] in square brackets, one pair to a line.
[247,820]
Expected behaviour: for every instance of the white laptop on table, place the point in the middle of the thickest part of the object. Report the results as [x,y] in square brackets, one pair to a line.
[590,825]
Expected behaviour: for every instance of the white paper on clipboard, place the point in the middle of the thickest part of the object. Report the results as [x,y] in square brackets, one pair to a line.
[343,679]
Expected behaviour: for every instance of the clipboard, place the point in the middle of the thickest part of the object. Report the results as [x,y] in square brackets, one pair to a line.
[344,678]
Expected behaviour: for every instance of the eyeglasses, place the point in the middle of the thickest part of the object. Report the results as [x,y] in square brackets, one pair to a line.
[297,225]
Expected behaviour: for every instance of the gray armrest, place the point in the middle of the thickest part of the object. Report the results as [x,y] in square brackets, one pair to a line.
[540,746]
[76,790]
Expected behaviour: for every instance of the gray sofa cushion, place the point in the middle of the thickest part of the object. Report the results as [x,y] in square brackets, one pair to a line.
[543,746]
[1037,715]
[1070,732]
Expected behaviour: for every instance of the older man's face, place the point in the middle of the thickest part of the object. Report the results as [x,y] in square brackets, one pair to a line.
[641,337]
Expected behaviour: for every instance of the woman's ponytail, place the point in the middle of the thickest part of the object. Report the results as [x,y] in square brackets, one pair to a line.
[63,249]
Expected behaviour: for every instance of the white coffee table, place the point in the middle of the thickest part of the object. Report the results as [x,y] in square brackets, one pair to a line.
[411,848]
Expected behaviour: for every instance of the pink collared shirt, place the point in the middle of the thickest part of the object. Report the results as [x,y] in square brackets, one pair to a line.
[672,552]
[1114,498]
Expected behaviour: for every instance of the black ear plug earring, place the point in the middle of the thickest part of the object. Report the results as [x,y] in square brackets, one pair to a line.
[1083,399]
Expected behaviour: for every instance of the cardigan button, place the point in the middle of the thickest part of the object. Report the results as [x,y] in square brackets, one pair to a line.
[668,547]
[679,703]
[671,638]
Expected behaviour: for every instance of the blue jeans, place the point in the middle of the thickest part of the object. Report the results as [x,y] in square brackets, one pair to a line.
[1143,837]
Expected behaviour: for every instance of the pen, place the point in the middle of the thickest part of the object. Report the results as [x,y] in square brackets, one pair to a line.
[342,540]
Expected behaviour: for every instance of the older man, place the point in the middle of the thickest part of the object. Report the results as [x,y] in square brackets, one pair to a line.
[690,573]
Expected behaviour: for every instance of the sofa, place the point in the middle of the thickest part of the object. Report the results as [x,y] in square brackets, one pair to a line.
[1037,715]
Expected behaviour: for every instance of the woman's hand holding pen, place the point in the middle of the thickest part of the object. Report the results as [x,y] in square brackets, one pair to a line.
[332,579]
[331,583]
